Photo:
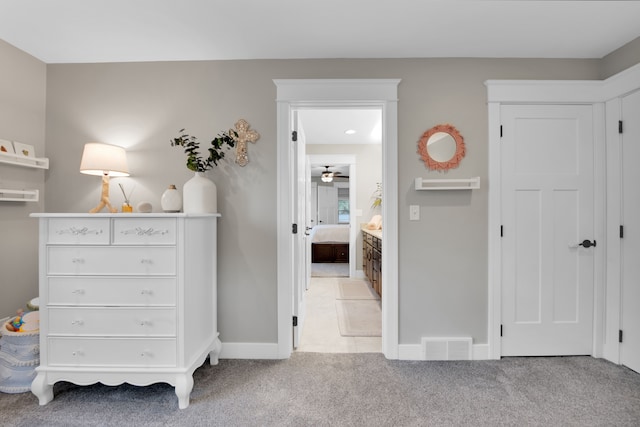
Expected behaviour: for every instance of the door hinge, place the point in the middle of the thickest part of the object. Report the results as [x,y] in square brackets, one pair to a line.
[294,135]
[621,231]
[500,131]
[619,126]
[500,330]
[620,335]
[501,231]
[294,228]
[295,320]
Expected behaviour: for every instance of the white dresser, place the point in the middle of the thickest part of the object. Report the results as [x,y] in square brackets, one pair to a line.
[126,298]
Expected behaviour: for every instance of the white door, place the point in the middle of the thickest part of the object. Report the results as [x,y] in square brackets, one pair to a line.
[310,222]
[299,157]
[327,204]
[313,217]
[547,211]
[630,347]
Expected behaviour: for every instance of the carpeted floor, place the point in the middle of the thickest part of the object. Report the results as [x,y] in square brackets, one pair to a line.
[311,389]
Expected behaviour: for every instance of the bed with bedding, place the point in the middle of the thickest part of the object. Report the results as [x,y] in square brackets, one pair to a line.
[330,243]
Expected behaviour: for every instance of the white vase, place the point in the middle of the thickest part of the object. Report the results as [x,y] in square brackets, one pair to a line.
[199,195]
[171,200]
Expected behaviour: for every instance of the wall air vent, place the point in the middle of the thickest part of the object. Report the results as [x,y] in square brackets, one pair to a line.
[455,348]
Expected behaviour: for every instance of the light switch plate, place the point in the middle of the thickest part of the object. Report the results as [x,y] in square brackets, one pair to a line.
[414,213]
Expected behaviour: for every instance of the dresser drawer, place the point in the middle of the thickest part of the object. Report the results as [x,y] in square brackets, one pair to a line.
[105,291]
[112,352]
[111,260]
[112,321]
[144,231]
[78,231]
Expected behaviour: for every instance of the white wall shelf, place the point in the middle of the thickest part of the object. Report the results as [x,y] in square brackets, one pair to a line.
[19,195]
[448,184]
[27,162]
[7,195]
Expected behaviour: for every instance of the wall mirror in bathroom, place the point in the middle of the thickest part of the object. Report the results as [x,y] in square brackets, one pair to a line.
[441,147]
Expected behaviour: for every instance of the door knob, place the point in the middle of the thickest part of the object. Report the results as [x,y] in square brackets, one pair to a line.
[587,243]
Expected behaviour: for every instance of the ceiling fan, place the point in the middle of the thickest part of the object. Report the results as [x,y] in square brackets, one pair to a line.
[327,175]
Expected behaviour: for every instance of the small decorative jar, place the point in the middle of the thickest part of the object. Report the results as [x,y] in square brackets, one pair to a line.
[171,200]
[127,208]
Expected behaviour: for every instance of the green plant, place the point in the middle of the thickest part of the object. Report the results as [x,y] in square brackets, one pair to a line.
[377,196]
[195,160]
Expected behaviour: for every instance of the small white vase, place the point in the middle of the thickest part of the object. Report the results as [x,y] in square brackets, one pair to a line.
[199,195]
[171,200]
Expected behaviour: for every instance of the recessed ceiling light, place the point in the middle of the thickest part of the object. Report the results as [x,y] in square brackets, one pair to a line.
[349,131]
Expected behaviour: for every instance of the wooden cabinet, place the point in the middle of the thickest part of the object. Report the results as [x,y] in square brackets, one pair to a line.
[330,252]
[372,258]
[126,298]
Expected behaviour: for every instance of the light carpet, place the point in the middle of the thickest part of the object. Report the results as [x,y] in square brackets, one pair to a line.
[329,269]
[312,389]
[355,289]
[359,318]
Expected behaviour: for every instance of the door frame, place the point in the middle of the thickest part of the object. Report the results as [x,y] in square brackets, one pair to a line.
[504,92]
[381,93]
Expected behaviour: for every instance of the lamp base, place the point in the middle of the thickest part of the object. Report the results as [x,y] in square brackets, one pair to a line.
[104,198]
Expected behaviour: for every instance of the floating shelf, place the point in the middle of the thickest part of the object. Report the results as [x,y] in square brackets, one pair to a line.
[448,184]
[19,195]
[28,162]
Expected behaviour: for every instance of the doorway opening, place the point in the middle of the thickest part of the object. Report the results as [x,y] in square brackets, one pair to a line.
[344,155]
[293,95]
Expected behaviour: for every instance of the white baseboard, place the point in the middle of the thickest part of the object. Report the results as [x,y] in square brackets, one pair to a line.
[235,350]
[238,350]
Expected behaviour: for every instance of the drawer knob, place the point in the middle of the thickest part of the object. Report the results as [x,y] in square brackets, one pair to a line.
[77,322]
[78,291]
[146,292]
[146,261]
[77,353]
[77,260]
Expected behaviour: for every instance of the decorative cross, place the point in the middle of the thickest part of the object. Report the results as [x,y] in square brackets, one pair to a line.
[244,135]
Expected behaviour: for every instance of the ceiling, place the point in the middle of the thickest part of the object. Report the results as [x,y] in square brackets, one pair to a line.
[88,31]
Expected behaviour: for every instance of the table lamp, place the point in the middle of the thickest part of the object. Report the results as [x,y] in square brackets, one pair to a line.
[105,160]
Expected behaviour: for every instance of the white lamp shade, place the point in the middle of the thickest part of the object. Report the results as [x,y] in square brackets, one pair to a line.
[104,159]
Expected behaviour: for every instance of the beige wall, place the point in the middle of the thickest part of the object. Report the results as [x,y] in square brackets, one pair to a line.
[620,59]
[22,118]
[443,257]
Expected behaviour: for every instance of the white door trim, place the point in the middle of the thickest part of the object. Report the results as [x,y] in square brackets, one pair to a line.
[349,92]
[606,197]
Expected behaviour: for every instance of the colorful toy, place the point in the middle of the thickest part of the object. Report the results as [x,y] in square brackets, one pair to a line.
[17,322]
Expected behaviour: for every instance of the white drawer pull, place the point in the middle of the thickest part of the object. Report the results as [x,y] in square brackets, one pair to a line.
[146,261]
[146,292]
[77,322]
[144,231]
[145,323]
[78,291]
[78,231]
[77,353]
[77,260]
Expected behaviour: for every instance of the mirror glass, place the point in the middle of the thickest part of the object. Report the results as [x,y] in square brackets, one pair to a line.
[441,147]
